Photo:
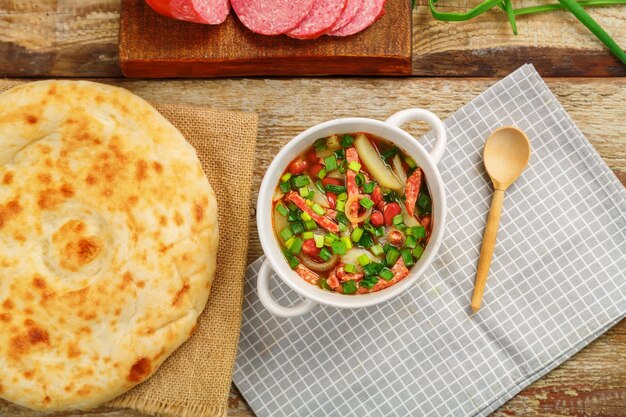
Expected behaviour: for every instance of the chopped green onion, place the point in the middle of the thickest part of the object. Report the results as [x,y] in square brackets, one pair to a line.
[368,282]
[349,268]
[331,163]
[372,268]
[339,247]
[321,282]
[369,187]
[390,197]
[349,287]
[392,256]
[342,197]
[321,174]
[423,201]
[387,248]
[418,251]
[340,153]
[377,249]
[399,219]
[310,225]
[416,231]
[319,241]
[363,259]
[300,181]
[360,179]
[386,274]
[286,233]
[342,227]
[366,241]
[285,177]
[407,257]
[307,235]
[282,209]
[347,141]
[343,167]
[325,254]
[318,209]
[290,241]
[296,246]
[410,162]
[305,216]
[293,216]
[392,152]
[410,242]
[330,238]
[291,260]
[401,227]
[356,234]
[337,189]
[367,203]
[297,228]
[341,218]
[321,142]
[292,207]
[354,166]
[347,241]
[284,187]
[320,186]
[340,206]
[380,232]
[304,192]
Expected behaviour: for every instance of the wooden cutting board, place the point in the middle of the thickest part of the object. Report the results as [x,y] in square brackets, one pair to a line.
[154,46]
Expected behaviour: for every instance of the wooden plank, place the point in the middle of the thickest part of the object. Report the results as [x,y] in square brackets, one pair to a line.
[556,43]
[154,46]
[592,383]
[78,38]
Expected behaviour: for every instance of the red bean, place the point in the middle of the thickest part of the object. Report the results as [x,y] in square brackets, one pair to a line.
[309,248]
[314,170]
[391,210]
[377,219]
[298,166]
[377,195]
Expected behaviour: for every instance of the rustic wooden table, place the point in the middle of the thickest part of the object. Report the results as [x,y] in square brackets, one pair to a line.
[78,38]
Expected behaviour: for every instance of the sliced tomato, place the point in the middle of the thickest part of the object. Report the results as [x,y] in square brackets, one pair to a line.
[331,181]
[309,248]
[332,199]
[315,169]
[298,166]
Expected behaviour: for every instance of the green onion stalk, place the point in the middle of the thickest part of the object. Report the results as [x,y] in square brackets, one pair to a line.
[577,8]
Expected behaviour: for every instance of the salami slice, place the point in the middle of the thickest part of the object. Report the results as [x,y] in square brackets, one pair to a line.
[212,12]
[320,19]
[348,13]
[371,11]
[271,17]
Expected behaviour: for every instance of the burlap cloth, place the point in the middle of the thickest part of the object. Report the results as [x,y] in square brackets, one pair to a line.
[195,380]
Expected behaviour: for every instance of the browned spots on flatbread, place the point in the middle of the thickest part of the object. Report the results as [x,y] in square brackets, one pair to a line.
[107,192]
[7,178]
[44,178]
[78,297]
[28,311]
[52,90]
[9,211]
[39,282]
[45,149]
[90,179]
[84,390]
[19,237]
[132,200]
[31,119]
[67,190]
[158,167]
[198,212]
[47,399]
[48,198]
[1,388]
[178,219]
[163,221]
[179,295]
[158,355]
[139,370]
[28,374]
[8,304]
[6,317]
[141,284]
[73,351]
[21,344]
[75,249]
[142,170]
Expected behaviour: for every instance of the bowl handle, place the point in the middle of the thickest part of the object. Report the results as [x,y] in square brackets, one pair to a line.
[409,115]
[263,281]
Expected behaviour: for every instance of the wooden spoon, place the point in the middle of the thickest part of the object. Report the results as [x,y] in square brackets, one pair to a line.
[506,154]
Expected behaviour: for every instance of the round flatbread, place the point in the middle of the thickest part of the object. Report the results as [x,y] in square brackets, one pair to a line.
[109,236]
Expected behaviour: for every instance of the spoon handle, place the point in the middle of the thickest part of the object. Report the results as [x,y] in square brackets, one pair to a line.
[486,251]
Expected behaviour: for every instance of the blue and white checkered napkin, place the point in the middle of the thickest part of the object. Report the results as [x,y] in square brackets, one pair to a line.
[557,281]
